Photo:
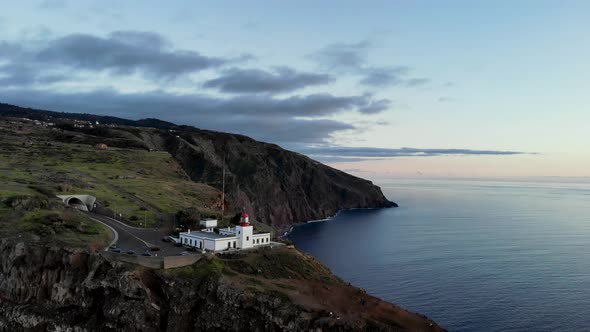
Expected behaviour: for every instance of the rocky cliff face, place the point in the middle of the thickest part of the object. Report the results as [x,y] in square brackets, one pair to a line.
[280,187]
[55,289]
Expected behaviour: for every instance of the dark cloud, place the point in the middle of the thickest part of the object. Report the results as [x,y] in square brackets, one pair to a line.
[21,75]
[342,153]
[262,117]
[154,103]
[121,52]
[282,79]
[353,59]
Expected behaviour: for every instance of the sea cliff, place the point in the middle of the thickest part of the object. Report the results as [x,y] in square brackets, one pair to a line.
[46,288]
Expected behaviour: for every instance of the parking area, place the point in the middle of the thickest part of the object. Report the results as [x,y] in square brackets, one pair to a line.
[141,240]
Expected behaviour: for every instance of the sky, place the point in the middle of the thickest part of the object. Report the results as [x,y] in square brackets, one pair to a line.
[379,89]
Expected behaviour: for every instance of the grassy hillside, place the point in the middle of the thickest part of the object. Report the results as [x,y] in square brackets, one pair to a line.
[146,188]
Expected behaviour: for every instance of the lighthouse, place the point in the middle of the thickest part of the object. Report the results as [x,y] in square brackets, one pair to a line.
[244,231]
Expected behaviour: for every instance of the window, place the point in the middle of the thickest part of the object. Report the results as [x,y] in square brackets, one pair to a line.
[234,244]
[228,245]
[247,238]
[239,232]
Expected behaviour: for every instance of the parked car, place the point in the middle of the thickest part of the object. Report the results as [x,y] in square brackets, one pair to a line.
[191,249]
[131,252]
[117,250]
[178,244]
[184,253]
[146,254]
[155,248]
[113,246]
[166,239]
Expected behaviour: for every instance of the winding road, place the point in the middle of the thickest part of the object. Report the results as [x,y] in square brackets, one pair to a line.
[137,239]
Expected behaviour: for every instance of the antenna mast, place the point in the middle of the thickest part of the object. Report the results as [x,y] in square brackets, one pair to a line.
[223,187]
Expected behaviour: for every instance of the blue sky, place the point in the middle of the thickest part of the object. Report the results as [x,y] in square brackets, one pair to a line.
[473,88]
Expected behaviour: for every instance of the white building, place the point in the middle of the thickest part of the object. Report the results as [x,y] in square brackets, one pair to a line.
[208,224]
[239,237]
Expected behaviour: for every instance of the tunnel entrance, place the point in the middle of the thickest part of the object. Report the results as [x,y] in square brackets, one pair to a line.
[80,202]
[77,203]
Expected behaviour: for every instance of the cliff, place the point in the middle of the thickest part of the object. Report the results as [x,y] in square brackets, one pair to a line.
[279,187]
[45,288]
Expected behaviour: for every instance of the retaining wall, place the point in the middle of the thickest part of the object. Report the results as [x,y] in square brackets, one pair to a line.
[153,262]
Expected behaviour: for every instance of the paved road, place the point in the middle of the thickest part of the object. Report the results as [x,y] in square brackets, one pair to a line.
[139,239]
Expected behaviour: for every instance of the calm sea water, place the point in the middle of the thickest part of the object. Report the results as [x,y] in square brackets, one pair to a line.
[472,255]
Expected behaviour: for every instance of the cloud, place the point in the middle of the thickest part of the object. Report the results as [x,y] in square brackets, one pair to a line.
[262,117]
[121,52]
[353,59]
[390,76]
[342,153]
[379,76]
[282,79]
[158,102]
[343,57]
[21,75]
[375,106]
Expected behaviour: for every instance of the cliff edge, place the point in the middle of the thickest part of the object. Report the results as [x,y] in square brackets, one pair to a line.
[44,288]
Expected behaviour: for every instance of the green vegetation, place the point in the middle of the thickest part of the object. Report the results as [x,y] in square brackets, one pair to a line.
[208,267]
[276,263]
[46,219]
[142,186]
[67,227]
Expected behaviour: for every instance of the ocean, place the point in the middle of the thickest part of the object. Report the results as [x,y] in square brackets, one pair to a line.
[473,255]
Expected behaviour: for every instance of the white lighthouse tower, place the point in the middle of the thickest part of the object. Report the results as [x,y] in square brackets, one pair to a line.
[244,232]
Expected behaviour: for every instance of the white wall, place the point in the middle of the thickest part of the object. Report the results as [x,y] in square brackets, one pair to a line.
[209,223]
[245,239]
[244,236]
[209,244]
[262,239]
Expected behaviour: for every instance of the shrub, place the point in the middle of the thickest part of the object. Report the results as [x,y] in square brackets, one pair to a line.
[43,190]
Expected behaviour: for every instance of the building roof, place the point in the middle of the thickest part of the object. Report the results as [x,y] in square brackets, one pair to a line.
[207,235]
